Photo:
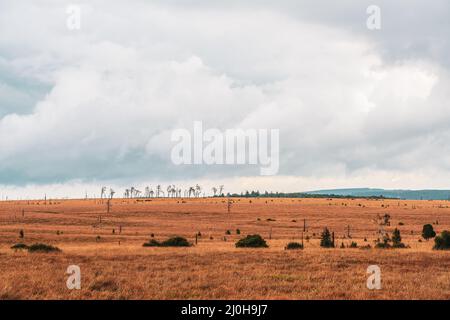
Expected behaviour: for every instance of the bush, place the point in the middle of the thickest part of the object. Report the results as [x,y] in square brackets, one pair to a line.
[252,241]
[41,247]
[325,239]
[428,232]
[397,239]
[176,242]
[385,243]
[19,246]
[442,242]
[353,245]
[228,232]
[152,243]
[238,231]
[294,246]
[171,242]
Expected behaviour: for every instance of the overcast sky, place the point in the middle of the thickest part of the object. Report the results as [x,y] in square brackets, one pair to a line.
[96,106]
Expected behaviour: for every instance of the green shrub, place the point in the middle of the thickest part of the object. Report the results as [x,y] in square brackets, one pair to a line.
[325,239]
[228,232]
[238,231]
[41,247]
[152,243]
[353,245]
[252,241]
[171,242]
[428,232]
[175,242]
[294,246]
[397,239]
[442,242]
[385,243]
[19,246]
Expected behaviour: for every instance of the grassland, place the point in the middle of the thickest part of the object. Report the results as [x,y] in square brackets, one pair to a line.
[114,265]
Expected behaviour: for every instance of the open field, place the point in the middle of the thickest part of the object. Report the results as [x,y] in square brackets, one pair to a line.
[114,265]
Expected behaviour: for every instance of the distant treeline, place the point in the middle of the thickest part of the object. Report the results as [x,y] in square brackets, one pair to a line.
[266,194]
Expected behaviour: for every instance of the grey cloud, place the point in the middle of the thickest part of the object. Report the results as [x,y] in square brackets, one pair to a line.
[100,104]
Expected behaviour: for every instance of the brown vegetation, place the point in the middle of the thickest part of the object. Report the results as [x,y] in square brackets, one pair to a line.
[115,265]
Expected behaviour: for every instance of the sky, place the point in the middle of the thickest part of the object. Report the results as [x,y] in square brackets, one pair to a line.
[355,107]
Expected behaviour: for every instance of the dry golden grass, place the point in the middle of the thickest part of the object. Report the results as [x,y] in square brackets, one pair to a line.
[116,266]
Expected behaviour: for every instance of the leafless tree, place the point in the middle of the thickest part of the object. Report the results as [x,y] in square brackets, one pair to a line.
[103,192]
[198,189]
[111,193]
[138,193]
[159,191]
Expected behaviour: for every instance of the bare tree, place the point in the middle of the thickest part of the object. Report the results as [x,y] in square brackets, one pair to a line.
[103,192]
[221,190]
[158,190]
[138,193]
[214,190]
[111,193]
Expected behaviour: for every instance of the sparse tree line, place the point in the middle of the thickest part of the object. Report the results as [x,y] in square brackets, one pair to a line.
[171,191]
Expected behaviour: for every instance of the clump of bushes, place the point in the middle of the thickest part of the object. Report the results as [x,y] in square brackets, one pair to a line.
[252,241]
[294,246]
[383,244]
[396,241]
[152,243]
[19,246]
[353,245]
[428,232]
[442,242]
[41,247]
[171,242]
